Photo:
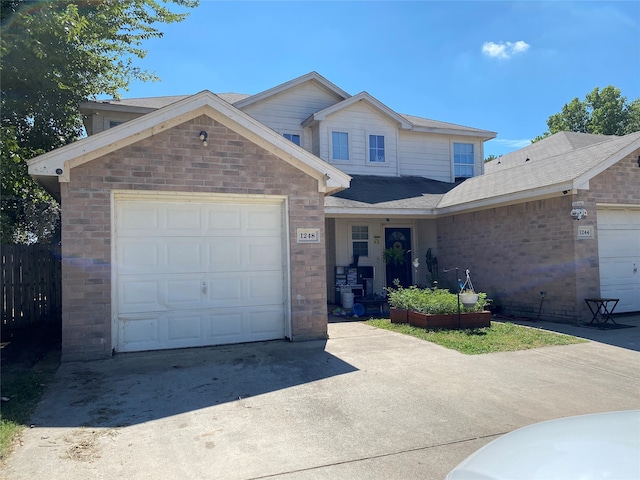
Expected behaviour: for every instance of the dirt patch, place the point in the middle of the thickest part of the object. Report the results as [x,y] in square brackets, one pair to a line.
[85,444]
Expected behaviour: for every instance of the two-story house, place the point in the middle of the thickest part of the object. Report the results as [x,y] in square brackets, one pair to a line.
[209,219]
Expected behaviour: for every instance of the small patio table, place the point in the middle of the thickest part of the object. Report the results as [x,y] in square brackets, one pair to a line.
[602,309]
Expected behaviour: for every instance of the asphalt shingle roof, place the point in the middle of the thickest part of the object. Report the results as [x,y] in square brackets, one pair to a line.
[559,143]
[537,173]
[160,102]
[370,191]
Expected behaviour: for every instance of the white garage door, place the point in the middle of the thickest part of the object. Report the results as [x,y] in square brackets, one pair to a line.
[619,251]
[194,272]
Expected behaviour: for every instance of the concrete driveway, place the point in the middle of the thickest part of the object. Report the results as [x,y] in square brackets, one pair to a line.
[365,404]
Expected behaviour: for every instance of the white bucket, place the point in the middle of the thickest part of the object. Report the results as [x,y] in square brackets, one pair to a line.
[347,300]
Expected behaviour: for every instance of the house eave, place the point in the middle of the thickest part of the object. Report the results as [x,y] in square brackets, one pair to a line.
[485,135]
[337,212]
[329,178]
[524,196]
[97,107]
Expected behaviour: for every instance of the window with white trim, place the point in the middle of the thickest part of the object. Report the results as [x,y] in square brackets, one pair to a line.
[293,137]
[115,123]
[360,240]
[463,160]
[339,146]
[376,148]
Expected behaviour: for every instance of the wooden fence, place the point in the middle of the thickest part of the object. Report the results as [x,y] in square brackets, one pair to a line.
[31,285]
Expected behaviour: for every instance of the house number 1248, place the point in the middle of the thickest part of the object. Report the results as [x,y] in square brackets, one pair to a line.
[308,235]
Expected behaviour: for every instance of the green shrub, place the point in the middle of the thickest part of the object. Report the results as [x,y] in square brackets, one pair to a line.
[430,300]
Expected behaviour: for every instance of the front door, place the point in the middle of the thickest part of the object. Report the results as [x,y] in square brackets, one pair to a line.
[398,238]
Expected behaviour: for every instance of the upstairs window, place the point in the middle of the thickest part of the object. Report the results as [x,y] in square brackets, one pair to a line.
[114,123]
[292,137]
[360,240]
[463,160]
[339,145]
[376,148]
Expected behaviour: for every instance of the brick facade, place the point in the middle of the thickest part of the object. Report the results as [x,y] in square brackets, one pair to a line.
[176,161]
[515,252]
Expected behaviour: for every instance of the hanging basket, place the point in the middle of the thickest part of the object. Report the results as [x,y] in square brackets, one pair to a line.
[468,299]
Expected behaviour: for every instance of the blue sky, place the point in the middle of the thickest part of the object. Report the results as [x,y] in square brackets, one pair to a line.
[499,66]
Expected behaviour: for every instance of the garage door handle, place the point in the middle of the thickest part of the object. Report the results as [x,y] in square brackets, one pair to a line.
[204,287]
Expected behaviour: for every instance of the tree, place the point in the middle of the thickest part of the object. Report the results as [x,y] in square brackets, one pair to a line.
[602,112]
[54,55]
[491,157]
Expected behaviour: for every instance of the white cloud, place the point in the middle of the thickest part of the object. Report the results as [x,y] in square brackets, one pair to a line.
[504,50]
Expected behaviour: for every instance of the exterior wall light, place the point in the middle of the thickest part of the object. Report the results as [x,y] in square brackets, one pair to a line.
[203,136]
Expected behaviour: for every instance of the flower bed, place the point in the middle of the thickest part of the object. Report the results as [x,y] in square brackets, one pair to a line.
[436,308]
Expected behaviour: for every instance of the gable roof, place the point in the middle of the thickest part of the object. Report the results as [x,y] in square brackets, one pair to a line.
[556,144]
[376,195]
[309,77]
[44,167]
[360,97]
[149,104]
[540,177]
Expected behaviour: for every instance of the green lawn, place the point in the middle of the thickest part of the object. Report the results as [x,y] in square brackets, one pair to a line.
[22,386]
[501,337]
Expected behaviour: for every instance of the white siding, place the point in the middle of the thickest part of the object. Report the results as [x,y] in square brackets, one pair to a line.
[360,121]
[286,111]
[425,155]
[102,121]
[315,140]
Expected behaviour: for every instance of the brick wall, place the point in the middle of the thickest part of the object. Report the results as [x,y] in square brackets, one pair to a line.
[515,252]
[176,161]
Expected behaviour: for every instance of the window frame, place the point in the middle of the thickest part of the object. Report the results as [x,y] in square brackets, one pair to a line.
[292,134]
[331,145]
[364,229]
[458,166]
[369,148]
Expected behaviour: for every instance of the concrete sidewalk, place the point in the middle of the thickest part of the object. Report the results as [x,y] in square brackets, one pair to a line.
[365,404]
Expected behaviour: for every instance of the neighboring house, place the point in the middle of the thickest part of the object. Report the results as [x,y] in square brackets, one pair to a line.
[513,226]
[172,238]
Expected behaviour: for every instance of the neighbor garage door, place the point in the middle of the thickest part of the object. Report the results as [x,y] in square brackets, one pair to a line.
[619,252]
[197,271]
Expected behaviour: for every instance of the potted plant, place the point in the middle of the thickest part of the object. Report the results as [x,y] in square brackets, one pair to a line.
[393,256]
[467,295]
[398,301]
[468,298]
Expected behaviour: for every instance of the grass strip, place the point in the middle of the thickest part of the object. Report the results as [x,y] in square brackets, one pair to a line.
[23,388]
[500,337]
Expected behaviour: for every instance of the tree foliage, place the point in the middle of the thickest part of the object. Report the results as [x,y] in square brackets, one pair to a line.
[602,112]
[56,54]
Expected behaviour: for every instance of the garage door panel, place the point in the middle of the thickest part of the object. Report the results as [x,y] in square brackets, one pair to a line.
[139,295]
[264,222]
[266,324]
[138,216]
[224,220]
[139,332]
[181,327]
[224,254]
[225,324]
[182,221]
[619,255]
[225,290]
[264,253]
[182,293]
[265,289]
[197,273]
[183,254]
